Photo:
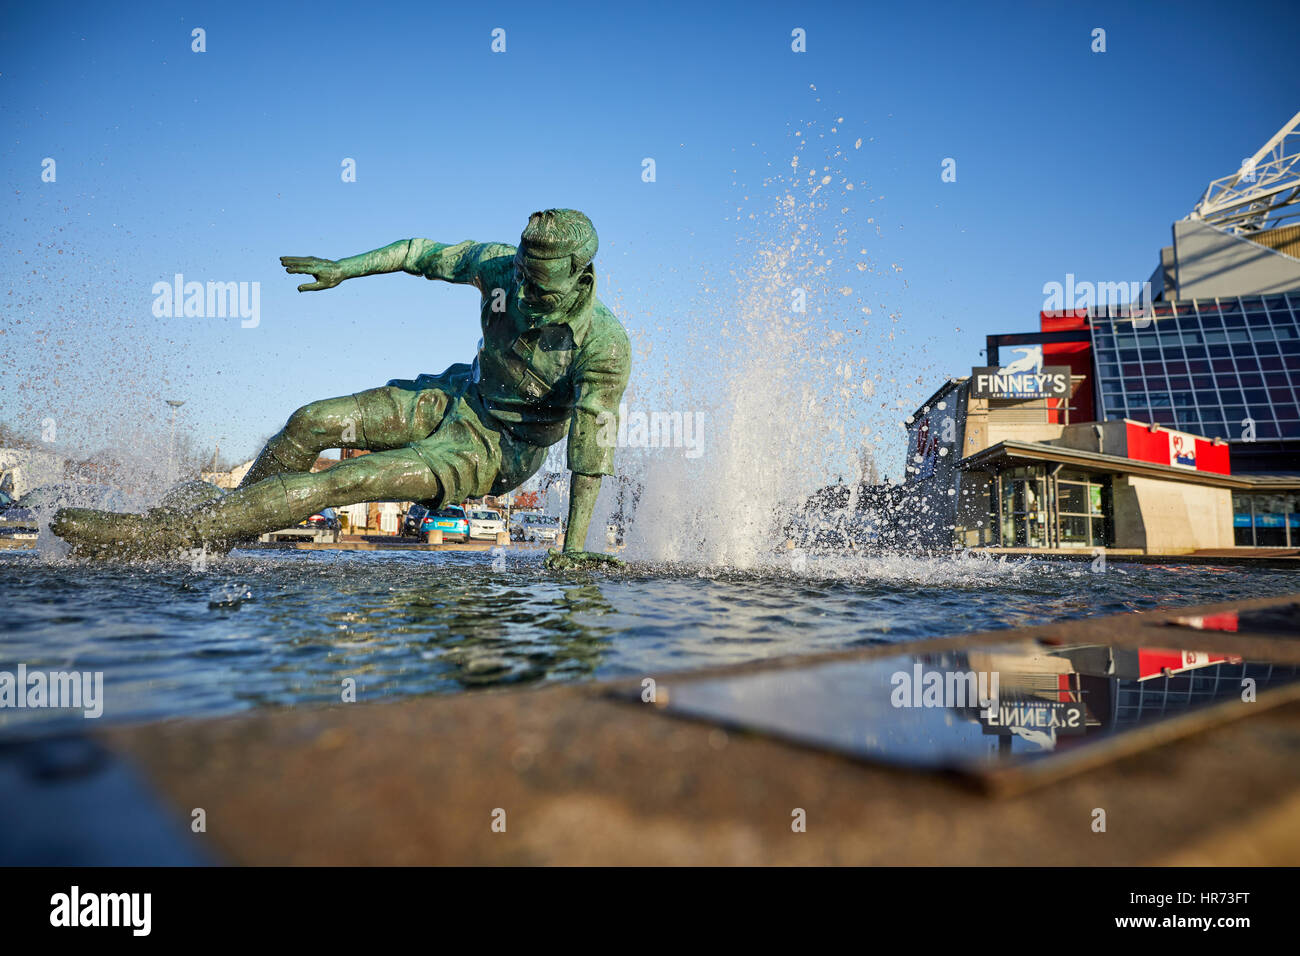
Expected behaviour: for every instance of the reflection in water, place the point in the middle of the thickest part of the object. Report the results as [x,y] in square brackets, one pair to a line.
[974,709]
[287,627]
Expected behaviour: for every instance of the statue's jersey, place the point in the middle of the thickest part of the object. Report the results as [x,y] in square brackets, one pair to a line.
[564,371]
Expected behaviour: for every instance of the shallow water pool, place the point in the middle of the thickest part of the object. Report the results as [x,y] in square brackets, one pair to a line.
[288,627]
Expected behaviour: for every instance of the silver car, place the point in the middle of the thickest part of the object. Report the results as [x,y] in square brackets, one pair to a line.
[484,523]
[536,527]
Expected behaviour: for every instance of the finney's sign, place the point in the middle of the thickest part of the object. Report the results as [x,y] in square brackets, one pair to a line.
[1052,382]
[1025,378]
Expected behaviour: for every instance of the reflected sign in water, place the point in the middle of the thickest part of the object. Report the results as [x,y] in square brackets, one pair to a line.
[977,710]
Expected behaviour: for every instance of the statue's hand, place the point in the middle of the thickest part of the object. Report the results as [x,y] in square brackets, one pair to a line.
[328,273]
[564,560]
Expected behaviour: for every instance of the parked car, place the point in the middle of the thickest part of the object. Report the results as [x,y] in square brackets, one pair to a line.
[485,523]
[322,527]
[325,520]
[530,526]
[451,521]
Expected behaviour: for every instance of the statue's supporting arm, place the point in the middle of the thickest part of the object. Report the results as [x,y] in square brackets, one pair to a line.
[583,490]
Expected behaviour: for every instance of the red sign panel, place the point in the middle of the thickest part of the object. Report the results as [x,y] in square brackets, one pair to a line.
[1178,449]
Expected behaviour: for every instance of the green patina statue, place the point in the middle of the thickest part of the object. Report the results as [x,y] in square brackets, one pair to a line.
[553,360]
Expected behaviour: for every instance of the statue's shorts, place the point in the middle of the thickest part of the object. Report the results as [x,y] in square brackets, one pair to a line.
[440,419]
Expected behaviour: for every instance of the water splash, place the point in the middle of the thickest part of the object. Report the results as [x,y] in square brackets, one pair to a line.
[802,392]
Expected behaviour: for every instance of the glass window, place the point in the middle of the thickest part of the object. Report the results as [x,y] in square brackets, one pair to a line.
[1083,509]
[1075,530]
[1243,520]
[1074,498]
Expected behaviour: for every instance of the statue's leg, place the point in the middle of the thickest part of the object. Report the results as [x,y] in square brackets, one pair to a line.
[279,501]
[377,419]
[450,457]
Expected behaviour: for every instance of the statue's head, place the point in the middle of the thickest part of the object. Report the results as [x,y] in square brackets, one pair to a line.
[554,257]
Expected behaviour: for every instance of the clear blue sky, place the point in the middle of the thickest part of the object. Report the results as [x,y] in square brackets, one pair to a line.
[215,164]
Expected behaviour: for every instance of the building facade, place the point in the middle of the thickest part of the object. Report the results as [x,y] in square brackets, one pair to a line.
[1168,422]
[1011,473]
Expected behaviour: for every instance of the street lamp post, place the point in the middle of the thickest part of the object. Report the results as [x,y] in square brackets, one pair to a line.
[175,403]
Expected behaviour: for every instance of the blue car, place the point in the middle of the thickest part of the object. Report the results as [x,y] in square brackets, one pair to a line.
[452,522]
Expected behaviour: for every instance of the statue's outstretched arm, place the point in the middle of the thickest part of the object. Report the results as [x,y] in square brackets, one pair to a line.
[423,257]
[329,272]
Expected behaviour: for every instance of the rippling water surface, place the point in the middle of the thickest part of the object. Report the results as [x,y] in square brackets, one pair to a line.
[282,628]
